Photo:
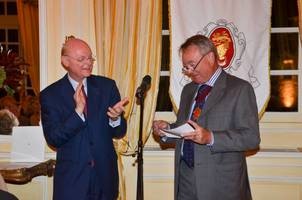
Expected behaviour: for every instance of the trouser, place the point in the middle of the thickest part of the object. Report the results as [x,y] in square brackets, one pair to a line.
[94,191]
[187,184]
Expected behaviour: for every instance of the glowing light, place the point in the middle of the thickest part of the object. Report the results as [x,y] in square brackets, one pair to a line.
[288,95]
[288,61]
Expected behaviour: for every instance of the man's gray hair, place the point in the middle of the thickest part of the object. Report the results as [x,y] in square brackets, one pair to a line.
[204,43]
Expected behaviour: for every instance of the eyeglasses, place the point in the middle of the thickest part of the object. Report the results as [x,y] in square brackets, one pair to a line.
[186,68]
[185,79]
[82,59]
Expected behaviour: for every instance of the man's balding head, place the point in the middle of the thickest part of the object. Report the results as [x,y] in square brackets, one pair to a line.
[76,58]
[72,42]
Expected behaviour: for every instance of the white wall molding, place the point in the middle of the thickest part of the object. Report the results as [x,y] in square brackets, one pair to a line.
[276,179]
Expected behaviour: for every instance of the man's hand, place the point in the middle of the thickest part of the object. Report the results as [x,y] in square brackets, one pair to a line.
[200,135]
[116,111]
[158,125]
[79,99]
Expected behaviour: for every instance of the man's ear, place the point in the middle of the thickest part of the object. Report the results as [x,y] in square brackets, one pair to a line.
[211,58]
[64,62]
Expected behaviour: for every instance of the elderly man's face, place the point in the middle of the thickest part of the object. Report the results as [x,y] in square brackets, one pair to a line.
[78,60]
[200,66]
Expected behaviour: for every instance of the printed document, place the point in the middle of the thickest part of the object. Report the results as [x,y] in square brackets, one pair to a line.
[179,131]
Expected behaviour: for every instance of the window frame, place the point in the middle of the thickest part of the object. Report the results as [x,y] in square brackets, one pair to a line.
[287,117]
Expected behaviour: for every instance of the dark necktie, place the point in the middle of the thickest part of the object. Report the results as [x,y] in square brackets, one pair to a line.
[188,147]
[86,101]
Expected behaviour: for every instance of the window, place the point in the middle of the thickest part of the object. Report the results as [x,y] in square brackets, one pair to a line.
[9,33]
[284,57]
[16,93]
[163,99]
[8,7]
[285,73]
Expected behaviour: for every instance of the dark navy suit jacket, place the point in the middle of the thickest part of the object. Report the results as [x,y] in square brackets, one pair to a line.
[78,142]
[4,195]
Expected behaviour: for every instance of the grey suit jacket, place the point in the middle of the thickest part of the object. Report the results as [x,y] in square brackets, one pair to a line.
[230,112]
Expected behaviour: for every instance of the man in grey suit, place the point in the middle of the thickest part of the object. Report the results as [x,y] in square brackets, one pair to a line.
[210,162]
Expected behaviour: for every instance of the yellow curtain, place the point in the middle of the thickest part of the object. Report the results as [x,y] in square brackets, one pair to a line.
[128,43]
[28,16]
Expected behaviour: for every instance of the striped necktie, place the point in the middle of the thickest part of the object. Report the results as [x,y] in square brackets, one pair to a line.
[188,147]
[86,101]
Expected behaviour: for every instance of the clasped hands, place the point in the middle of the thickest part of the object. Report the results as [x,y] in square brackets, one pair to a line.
[113,112]
[200,135]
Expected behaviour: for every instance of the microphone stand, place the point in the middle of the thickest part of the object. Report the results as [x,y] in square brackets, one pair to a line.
[140,179]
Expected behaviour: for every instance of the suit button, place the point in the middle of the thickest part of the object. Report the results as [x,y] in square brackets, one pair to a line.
[91,143]
[91,163]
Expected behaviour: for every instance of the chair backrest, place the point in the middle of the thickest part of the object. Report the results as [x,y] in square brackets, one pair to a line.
[28,144]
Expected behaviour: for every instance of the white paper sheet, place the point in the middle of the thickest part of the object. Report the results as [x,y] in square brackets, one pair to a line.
[179,131]
[28,144]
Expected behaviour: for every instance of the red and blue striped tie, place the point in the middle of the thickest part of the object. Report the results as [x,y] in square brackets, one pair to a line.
[188,147]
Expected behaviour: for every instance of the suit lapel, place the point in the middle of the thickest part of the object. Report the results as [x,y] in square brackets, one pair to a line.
[190,94]
[67,93]
[216,93]
[94,97]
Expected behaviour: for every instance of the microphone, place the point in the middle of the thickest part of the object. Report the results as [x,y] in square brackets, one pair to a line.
[144,86]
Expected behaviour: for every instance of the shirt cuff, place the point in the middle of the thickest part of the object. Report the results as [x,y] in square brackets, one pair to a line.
[115,123]
[164,138]
[212,142]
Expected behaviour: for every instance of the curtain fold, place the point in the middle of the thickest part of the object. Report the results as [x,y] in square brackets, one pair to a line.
[128,43]
[28,17]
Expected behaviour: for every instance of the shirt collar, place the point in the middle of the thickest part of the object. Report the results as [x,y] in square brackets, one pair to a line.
[74,83]
[214,77]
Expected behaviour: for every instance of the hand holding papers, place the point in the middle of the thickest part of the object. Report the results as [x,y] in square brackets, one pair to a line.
[179,131]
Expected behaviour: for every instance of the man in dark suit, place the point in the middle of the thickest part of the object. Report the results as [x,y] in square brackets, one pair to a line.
[81,114]
[4,194]
[210,162]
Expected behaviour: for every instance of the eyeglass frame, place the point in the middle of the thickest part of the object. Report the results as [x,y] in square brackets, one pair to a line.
[185,68]
[82,59]
[185,80]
